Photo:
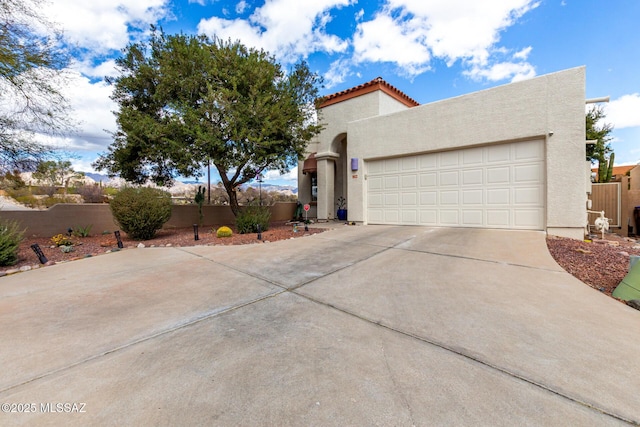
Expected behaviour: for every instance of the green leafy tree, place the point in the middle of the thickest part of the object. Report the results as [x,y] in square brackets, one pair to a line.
[57,173]
[31,70]
[599,132]
[185,100]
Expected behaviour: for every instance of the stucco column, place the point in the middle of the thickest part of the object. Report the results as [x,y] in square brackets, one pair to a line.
[326,185]
[326,177]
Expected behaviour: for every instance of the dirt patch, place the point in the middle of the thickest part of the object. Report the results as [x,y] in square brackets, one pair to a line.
[95,245]
[601,264]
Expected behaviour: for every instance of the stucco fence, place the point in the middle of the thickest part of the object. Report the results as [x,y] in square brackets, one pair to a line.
[58,218]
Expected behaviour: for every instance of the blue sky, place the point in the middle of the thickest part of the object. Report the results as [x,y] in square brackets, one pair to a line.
[429,49]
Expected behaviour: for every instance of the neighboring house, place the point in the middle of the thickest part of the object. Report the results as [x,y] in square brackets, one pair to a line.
[509,157]
[616,174]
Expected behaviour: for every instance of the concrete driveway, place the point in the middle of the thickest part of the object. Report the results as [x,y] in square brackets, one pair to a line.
[371,325]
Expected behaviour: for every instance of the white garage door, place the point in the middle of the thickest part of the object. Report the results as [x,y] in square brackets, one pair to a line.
[497,186]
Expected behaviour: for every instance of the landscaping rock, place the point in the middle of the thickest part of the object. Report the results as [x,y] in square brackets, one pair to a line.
[623,253]
[635,303]
[141,245]
[25,268]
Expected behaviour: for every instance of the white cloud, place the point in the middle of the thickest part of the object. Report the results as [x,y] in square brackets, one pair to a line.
[288,29]
[382,40]
[101,26]
[274,175]
[623,112]
[241,6]
[91,109]
[337,73]
[451,30]
[503,71]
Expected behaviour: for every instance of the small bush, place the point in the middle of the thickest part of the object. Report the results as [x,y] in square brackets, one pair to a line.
[141,212]
[10,238]
[250,216]
[91,193]
[224,232]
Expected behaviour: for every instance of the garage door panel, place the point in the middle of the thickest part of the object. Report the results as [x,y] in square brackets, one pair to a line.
[473,218]
[428,161]
[429,217]
[449,197]
[409,163]
[449,178]
[449,217]
[391,182]
[376,200]
[499,196]
[499,186]
[450,159]
[499,175]
[473,156]
[409,181]
[392,216]
[527,196]
[409,199]
[526,173]
[473,197]
[410,217]
[498,218]
[526,218]
[428,180]
[429,198]
[392,165]
[391,199]
[499,153]
[530,150]
[473,177]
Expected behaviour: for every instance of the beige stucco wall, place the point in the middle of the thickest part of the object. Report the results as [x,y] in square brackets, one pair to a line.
[550,108]
[335,119]
[58,218]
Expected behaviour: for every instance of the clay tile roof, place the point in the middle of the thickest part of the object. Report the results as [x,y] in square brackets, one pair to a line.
[376,84]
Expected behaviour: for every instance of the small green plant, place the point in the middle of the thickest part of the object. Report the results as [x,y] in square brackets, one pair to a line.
[61,240]
[80,231]
[342,202]
[141,211]
[66,249]
[10,238]
[250,216]
[224,231]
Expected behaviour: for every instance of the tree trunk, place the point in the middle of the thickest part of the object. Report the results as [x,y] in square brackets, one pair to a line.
[233,200]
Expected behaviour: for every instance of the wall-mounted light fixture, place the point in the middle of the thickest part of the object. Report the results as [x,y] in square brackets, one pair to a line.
[354,164]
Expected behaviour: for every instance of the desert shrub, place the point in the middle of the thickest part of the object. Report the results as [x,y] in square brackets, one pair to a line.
[10,238]
[50,201]
[250,216]
[80,231]
[224,231]
[12,181]
[141,212]
[48,190]
[91,193]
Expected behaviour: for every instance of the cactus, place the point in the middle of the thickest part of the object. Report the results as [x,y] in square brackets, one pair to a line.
[199,199]
[224,232]
[609,174]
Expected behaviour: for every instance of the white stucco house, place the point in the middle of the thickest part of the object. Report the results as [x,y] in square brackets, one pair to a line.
[510,157]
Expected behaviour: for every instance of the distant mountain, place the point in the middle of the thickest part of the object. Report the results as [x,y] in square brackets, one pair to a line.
[180,186]
[97,177]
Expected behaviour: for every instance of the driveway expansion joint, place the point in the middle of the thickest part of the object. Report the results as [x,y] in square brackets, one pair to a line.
[465,354]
